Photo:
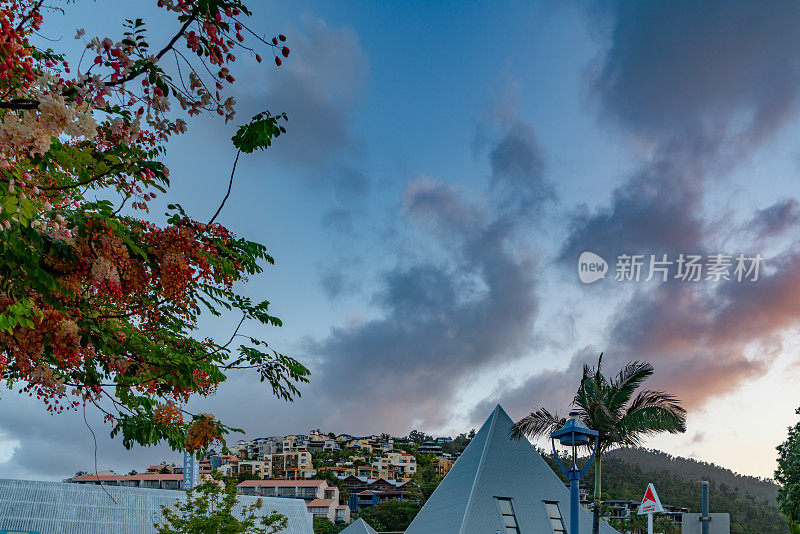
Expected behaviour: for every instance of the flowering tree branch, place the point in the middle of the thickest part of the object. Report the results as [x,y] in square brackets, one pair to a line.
[99,305]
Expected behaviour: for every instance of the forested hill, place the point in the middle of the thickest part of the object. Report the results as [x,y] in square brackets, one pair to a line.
[652,460]
[626,474]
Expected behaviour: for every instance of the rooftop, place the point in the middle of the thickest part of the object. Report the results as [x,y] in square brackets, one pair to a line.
[283,483]
[322,502]
[140,476]
[63,508]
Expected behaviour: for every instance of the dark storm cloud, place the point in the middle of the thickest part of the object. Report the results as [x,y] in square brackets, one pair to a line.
[550,388]
[705,83]
[775,220]
[338,221]
[699,86]
[336,279]
[441,320]
[57,446]
[714,70]
[350,182]
[440,208]
[658,210]
[438,328]
[317,87]
[696,337]
[333,283]
[518,168]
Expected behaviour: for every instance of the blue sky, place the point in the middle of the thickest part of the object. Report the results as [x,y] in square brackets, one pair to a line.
[445,165]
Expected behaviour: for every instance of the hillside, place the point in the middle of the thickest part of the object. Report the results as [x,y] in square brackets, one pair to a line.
[747,499]
[652,460]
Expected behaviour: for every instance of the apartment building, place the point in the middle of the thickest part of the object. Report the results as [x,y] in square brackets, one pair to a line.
[292,465]
[366,492]
[258,447]
[343,438]
[394,465]
[331,445]
[370,443]
[169,481]
[370,472]
[442,466]
[171,468]
[367,498]
[258,468]
[322,442]
[321,499]
[308,490]
[227,464]
[329,509]
[430,447]
[343,471]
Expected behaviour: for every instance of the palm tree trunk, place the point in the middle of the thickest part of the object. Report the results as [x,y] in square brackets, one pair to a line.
[598,470]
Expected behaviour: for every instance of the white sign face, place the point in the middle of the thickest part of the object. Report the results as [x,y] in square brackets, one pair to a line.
[651,504]
[719,524]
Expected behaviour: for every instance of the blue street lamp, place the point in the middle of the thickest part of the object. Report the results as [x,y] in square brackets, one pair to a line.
[574,434]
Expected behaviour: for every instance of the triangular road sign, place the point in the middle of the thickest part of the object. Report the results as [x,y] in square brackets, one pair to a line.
[651,504]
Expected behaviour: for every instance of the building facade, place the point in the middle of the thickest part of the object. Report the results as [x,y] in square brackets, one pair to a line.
[166,481]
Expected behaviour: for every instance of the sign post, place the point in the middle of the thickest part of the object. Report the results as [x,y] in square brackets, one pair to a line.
[651,504]
[191,471]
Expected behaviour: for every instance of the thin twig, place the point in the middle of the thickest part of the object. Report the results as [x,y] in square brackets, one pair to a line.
[230,184]
[94,437]
[163,51]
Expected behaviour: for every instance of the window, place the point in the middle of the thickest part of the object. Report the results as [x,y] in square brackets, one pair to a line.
[554,513]
[507,514]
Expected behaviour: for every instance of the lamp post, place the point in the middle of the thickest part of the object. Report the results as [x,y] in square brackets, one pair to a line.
[574,434]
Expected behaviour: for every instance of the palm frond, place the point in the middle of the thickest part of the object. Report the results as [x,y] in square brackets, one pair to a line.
[627,382]
[542,422]
[651,412]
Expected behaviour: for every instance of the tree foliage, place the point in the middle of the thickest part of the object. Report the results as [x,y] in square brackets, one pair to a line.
[334,481]
[637,524]
[98,303]
[326,526]
[626,478]
[788,475]
[425,480]
[613,407]
[390,515]
[209,509]
[415,436]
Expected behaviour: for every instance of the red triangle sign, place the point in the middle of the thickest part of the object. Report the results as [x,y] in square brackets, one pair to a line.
[651,504]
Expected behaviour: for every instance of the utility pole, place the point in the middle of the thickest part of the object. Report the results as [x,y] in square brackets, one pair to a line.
[704,516]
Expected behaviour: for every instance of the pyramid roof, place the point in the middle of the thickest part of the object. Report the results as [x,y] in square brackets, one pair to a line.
[359,526]
[494,466]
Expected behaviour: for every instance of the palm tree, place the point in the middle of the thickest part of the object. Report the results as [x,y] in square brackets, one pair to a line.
[610,407]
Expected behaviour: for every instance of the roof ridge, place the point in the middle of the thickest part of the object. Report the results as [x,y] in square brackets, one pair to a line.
[478,471]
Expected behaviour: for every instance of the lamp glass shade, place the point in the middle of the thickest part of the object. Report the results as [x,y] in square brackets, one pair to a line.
[579,440]
[574,432]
